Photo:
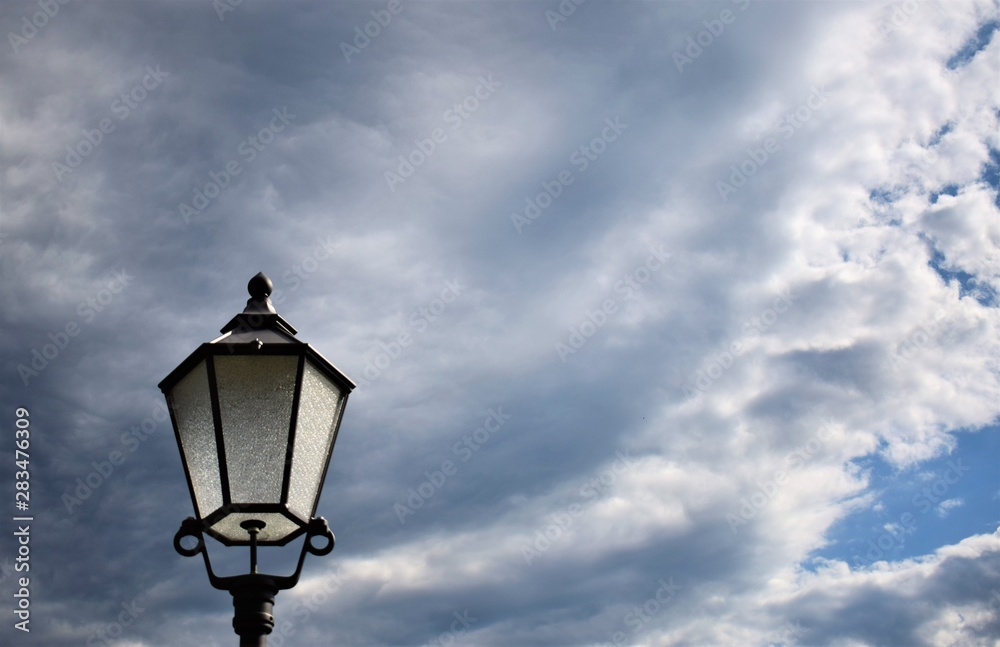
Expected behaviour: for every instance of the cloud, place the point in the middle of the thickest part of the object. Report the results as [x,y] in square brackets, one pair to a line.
[721,307]
[945,506]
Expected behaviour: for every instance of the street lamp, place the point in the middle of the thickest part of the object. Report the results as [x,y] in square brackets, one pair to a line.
[256,414]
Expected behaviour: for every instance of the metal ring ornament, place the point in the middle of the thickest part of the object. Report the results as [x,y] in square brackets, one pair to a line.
[319,528]
[192,527]
[189,528]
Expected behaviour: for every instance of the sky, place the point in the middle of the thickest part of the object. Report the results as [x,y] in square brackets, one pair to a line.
[672,323]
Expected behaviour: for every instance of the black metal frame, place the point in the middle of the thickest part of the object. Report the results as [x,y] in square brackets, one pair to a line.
[253,593]
[207,352]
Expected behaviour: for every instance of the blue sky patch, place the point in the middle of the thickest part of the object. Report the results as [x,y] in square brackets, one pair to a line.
[949,189]
[974,45]
[969,285]
[991,173]
[933,504]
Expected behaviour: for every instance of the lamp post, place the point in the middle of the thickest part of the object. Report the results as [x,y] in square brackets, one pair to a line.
[256,414]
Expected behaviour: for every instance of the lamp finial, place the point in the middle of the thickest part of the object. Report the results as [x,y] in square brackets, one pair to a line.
[260,287]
